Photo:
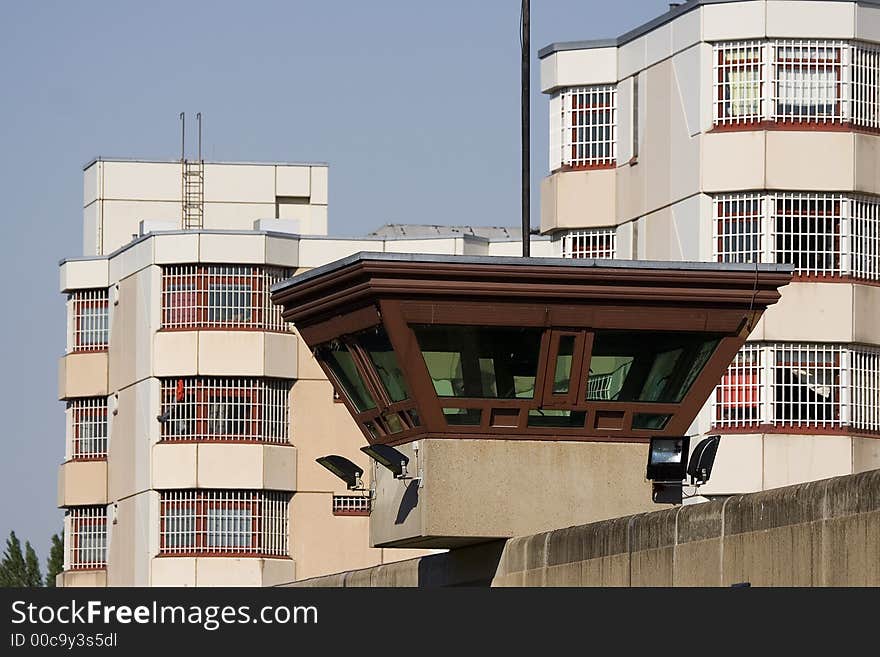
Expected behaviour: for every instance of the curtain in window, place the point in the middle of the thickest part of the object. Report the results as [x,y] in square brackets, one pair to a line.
[744,92]
[806,91]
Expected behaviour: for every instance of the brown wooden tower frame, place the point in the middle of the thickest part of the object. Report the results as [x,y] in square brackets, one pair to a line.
[703,309]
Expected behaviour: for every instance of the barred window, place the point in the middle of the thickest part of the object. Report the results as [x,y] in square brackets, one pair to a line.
[819,234]
[801,385]
[224,522]
[806,385]
[739,228]
[86,542]
[866,85]
[221,296]
[589,126]
[351,505]
[225,409]
[797,81]
[739,398]
[88,422]
[865,378]
[90,320]
[807,232]
[808,81]
[739,83]
[597,243]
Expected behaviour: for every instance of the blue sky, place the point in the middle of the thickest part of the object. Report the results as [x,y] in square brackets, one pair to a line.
[415,106]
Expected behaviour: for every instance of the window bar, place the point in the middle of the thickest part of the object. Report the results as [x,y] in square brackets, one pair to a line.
[819,234]
[739,82]
[88,537]
[797,81]
[351,505]
[865,384]
[738,399]
[88,421]
[221,296]
[589,126]
[596,243]
[225,409]
[90,320]
[218,522]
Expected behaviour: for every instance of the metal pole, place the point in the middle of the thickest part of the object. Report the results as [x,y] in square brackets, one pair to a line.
[182,137]
[524,110]
[199,119]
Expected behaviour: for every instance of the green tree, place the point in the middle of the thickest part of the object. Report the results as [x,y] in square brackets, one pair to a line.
[13,571]
[19,568]
[55,562]
[32,574]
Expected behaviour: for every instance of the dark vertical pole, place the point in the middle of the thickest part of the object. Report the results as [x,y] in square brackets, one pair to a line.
[526,79]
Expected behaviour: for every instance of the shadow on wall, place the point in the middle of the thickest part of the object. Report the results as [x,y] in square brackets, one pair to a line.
[470,566]
[408,502]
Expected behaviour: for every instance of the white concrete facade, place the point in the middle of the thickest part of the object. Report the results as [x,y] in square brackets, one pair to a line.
[688,165]
[122,379]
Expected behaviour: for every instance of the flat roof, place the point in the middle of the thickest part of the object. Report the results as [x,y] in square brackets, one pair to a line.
[421,231]
[672,14]
[295,236]
[141,160]
[585,263]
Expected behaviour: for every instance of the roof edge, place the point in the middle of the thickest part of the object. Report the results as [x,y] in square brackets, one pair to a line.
[653,24]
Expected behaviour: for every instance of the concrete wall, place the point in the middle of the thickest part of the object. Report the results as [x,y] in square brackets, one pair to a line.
[474,490]
[824,533]
[118,195]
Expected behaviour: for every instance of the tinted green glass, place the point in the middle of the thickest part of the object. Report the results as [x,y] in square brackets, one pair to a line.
[463,416]
[378,347]
[481,362]
[339,360]
[563,364]
[557,418]
[647,366]
[652,421]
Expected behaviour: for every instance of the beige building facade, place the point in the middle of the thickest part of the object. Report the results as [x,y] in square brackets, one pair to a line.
[194,412]
[742,131]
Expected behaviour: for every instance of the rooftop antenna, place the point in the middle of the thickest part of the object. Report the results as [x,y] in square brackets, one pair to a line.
[524,110]
[193,175]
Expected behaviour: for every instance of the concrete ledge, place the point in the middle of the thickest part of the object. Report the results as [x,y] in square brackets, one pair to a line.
[81,578]
[83,374]
[221,571]
[82,483]
[822,533]
[250,466]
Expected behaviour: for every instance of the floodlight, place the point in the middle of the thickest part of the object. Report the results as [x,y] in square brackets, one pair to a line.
[344,469]
[388,457]
[667,459]
[702,460]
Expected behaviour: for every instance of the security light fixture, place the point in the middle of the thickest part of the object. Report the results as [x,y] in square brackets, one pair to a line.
[667,459]
[668,465]
[389,458]
[344,469]
[702,460]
